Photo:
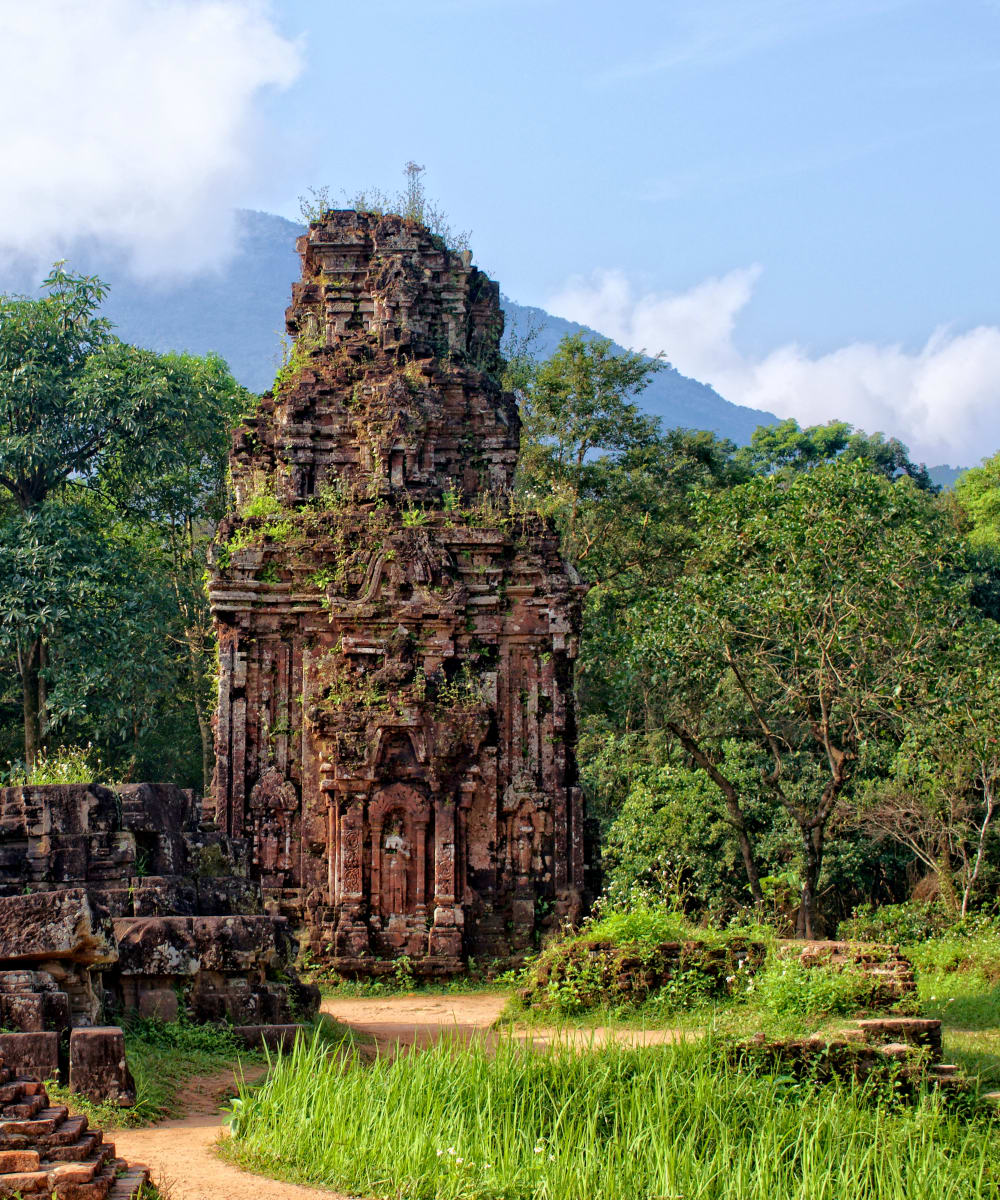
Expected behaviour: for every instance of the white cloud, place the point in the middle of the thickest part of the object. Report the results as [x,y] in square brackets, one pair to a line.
[132,122]
[943,400]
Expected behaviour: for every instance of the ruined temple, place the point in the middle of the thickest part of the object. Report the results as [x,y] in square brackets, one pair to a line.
[395,726]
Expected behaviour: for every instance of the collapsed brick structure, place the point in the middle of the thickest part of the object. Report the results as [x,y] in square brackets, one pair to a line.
[122,900]
[905,1051]
[395,723]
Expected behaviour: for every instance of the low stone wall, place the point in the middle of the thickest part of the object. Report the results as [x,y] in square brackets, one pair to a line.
[890,971]
[901,1049]
[236,969]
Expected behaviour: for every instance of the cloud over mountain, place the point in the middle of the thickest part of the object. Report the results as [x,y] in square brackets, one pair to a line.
[942,399]
[132,123]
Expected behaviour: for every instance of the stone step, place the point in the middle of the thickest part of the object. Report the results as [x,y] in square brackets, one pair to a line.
[991,1098]
[70,1131]
[23,1109]
[900,1050]
[943,1070]
[24,1183]
[18,1160]
[47,1121]
[78,1172]
[128,1186]
[76,1151]
[94,1189]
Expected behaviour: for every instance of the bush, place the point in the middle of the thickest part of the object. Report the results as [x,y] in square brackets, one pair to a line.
[789,988]
[67,764]
[624,958]
[644,922]
[913,921]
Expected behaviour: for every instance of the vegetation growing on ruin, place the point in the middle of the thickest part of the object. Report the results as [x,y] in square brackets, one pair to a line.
[163,1056]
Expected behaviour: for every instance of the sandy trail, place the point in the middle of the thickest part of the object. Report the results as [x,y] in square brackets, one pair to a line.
[181,1154]
[418,1021]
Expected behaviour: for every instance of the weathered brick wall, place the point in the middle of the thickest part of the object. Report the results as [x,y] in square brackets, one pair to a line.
[395,725]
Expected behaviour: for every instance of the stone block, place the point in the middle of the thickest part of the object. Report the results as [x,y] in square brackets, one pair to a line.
[24,1011]
[279,1038]
[159,1004]
[18,1160]
[54,925]
[31,1053]
[97,1066]
[56,1012]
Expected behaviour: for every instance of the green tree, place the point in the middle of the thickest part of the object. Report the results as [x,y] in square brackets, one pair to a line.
[578,419]
[809,618]
[786,446]
[86,423]
[178,510]
[939,797]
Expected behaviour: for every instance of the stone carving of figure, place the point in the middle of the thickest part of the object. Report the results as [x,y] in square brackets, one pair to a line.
[268,845]
[396,854]
[525,847]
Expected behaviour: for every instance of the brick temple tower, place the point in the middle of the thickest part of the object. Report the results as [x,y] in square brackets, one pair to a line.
[395,731]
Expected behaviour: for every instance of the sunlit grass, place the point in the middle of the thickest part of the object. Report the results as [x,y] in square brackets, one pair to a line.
[608,1123]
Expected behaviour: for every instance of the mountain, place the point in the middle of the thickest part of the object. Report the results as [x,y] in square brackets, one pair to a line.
[671,396]
[239,312]
[946,477]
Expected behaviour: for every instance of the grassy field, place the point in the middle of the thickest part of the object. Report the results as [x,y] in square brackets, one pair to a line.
[608,1124]
[958,981]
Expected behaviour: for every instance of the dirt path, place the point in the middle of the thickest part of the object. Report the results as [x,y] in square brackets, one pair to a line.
[416,1020]
[181,1154]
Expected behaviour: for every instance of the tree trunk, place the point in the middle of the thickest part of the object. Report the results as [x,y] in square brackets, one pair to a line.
[31,701]
[812,864]
[732,802]
[946,878]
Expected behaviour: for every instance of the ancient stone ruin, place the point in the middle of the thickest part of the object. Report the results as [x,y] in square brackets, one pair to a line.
[122,901]
[395,726]
[46,1154]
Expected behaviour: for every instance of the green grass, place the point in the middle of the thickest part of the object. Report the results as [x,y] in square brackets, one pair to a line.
[162,1058]
[402,981]
[553,1124]
[958,981]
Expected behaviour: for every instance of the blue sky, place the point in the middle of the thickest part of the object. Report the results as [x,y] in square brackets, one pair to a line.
[794,199]
[848,148]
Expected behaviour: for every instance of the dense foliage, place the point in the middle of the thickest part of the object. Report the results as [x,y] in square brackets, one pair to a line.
[112,471]
[786,686]
[786,692]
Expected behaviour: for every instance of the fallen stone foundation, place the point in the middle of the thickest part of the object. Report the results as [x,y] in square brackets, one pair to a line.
[904,1050]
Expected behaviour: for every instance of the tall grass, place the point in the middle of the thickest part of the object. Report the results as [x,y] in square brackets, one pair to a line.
[610,1123]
